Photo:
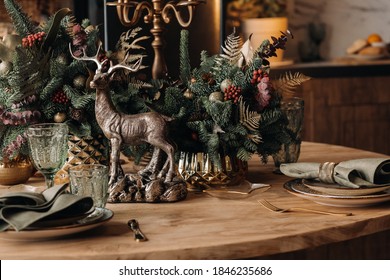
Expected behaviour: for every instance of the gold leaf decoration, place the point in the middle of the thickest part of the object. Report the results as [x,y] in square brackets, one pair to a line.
[287,84]
[232,48]
[249,119]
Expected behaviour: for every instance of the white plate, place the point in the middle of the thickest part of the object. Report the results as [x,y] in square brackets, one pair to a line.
[56,232]
[296,187]
[335,189]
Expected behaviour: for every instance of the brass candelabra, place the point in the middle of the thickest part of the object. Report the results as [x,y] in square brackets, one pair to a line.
[158,13]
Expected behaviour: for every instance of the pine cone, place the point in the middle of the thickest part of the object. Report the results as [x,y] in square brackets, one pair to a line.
[77,114]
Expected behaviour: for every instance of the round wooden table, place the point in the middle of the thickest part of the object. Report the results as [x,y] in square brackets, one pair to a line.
[205,227]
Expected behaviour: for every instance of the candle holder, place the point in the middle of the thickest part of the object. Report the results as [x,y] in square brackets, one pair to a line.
[159,14]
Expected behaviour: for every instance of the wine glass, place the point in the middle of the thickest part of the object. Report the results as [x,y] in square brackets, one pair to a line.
[48,148]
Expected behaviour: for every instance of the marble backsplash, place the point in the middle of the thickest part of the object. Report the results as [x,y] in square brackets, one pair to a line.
[345,21]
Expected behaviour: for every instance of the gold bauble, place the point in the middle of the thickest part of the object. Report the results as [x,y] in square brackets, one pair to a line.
[80,81]
[216,96]
[188,94]
[59,117]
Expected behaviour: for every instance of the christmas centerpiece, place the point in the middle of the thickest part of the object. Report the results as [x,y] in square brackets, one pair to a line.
[40,82]
[223,111]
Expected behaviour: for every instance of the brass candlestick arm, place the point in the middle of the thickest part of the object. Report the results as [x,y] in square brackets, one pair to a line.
[129,13]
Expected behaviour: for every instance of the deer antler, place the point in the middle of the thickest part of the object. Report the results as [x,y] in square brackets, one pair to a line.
[90,58]
[133,68]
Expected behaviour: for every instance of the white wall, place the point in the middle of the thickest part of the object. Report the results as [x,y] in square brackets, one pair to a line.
[346,21]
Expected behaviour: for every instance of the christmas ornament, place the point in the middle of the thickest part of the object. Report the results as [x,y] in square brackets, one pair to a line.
[224,84]
[59,117]
[79,81]
[188,94]
[5,67]
[216,96]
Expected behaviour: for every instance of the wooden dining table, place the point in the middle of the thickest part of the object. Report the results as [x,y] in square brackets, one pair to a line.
[206,227]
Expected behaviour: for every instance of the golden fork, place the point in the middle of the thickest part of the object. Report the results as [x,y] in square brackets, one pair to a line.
[274,208]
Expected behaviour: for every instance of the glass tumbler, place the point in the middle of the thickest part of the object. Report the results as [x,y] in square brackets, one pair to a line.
[90,180]
[293,108]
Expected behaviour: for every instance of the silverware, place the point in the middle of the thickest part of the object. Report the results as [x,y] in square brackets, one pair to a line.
[134,226]
[274,208]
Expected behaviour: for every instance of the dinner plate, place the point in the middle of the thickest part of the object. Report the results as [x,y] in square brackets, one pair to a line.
[37,234]
[297,188]
[336,189]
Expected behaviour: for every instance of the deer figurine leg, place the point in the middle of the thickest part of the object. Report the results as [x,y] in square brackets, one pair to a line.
[169,150]
[152,166]
[115,167]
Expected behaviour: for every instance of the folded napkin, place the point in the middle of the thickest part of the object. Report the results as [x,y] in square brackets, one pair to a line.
[23,209]
[357,173]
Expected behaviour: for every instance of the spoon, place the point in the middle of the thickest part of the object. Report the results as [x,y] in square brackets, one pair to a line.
[134,226]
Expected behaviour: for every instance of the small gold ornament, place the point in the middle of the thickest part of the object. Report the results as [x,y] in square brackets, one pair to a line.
[59,117]
[188,94]
[216,96]
[63,59]
[79,81]
[5,67]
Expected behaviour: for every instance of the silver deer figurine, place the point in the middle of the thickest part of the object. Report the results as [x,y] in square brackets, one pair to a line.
[119,128]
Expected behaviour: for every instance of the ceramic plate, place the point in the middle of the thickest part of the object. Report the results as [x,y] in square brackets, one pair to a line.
[296,187]
[37,234]
[335,189]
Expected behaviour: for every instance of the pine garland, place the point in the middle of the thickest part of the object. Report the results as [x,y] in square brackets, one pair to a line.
[22,22]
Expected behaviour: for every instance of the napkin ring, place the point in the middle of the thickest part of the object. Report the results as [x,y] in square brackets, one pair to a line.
[326,171]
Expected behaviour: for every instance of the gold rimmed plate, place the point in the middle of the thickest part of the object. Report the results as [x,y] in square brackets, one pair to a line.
[44,233]
[335,189]
[297,188]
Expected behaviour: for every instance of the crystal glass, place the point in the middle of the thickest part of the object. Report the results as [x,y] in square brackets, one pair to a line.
[293,109]
[90,180]
[48,144]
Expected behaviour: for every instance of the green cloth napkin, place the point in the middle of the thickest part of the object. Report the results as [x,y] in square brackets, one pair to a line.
[357,173]
[20,210]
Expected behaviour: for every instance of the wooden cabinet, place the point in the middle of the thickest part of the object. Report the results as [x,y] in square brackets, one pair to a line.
[351,109]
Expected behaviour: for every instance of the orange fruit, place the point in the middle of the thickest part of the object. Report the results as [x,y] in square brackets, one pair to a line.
[373,38]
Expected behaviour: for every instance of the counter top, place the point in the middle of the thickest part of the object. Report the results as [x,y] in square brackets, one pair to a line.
[339,67]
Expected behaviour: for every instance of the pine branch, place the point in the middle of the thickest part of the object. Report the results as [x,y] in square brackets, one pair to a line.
[23,24]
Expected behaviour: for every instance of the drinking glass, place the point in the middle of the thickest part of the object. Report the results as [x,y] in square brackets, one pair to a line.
[293,108]
[48,145]
[90,180]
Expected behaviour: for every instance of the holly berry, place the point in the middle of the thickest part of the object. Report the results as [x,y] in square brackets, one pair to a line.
[60,97]
[257,76]
[232,93]
[33,39]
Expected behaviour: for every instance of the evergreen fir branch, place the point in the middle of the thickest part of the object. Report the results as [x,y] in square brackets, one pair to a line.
[22,23]
[80,129]
[220,112]
[185,67]
[138,84]
[243,154]
[50,88]
[287,83]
